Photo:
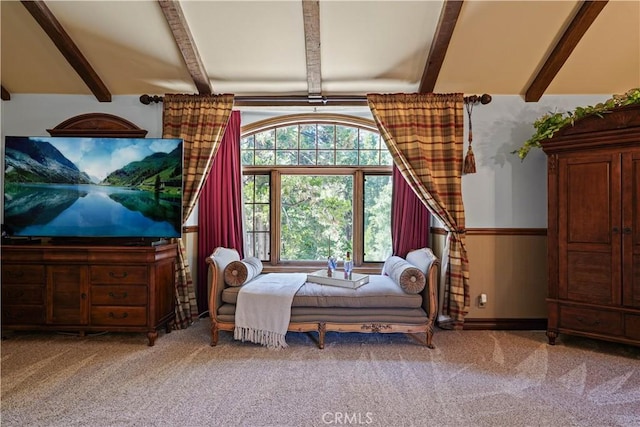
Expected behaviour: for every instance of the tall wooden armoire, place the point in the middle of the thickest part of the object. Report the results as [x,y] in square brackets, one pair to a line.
[594,228]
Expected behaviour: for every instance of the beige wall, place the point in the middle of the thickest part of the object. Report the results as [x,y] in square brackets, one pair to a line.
[510,266]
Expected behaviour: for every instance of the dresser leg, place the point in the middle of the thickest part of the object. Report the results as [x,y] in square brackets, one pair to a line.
[552,335]
[152,335]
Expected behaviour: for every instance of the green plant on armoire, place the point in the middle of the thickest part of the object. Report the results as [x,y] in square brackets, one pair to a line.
[547,125]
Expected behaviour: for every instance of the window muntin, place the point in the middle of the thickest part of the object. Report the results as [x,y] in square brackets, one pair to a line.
[315,144]
[294,152]
[256,189]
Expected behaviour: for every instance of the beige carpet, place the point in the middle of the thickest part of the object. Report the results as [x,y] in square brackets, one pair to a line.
[472,378]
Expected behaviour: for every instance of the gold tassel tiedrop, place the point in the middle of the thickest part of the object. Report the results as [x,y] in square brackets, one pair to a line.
[469,161]
[470,158]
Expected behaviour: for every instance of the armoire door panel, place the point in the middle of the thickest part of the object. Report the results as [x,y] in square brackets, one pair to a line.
[589,228]
[589,278]
[631,229]
[588,203]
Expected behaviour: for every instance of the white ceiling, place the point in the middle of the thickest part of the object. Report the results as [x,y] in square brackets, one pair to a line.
[257,48]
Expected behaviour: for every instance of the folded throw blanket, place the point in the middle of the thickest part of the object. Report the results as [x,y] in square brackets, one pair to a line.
[263,309]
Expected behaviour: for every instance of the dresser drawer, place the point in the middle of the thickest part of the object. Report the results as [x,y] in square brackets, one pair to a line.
[23,274]
[116,274]
[118,295]
[591,320]
[22,294]
[23,315]
[118,316]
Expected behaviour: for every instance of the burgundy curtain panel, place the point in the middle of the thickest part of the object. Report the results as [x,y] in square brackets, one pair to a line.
[410,219]
[220,208]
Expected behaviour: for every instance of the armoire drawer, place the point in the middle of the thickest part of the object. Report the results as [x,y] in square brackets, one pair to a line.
[118,274]
[591,320]
[119,295]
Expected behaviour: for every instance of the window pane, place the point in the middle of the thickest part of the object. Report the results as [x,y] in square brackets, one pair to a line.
[347,157]
[346,137]
[287,157]
[385,157]
[265,140]
[308,136]
[261,220]
[325,157]
[307,157]
[261,188]
[247,143]
[325,137]
[264,157]
[287,137]
[247,157]
[316,217]
[261,246]
[369,157]
[369,140]
[377,218]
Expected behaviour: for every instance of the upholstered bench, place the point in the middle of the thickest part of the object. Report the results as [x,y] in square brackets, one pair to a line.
[381,305]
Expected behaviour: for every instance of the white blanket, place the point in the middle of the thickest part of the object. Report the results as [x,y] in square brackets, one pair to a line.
[263,309]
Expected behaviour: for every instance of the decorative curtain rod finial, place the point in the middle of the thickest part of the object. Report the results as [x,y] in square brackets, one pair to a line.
[483,99]
[148,99]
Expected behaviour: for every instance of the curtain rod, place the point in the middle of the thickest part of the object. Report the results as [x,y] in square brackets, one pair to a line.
[276,101]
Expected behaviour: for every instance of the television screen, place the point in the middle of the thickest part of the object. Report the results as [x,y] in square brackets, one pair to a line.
[93,187]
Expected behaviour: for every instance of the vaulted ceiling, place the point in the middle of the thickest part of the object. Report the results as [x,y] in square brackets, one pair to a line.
[319,51]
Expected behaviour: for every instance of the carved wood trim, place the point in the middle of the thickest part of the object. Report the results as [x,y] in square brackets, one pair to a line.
[99,125]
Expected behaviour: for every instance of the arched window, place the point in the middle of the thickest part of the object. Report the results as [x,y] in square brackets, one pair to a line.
[316,185]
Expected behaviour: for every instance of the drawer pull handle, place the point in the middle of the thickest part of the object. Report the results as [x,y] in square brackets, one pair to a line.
[115,316]
[118,276]
[123,295]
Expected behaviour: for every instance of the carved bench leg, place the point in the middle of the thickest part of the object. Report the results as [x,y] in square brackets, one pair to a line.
[429,337]
[322,329]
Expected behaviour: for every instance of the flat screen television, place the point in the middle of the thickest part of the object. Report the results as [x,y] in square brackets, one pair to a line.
[70,187]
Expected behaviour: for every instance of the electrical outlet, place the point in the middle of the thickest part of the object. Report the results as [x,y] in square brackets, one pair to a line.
[482,300]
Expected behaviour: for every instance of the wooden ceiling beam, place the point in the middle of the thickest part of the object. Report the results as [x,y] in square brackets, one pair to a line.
[311,15]
[6,96]
[182,34]
[48,22]
[586,14]
[437,52]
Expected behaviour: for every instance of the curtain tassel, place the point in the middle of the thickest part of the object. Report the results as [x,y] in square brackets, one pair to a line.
[470,158]
[469,161]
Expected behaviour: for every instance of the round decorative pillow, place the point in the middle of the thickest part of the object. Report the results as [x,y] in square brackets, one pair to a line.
[237,273]
[409,277]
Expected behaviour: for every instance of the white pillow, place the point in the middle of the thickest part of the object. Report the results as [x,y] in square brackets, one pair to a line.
[421,258]
[223,256]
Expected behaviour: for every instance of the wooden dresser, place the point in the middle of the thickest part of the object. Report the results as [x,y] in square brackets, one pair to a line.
[594,228]
[88,288]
